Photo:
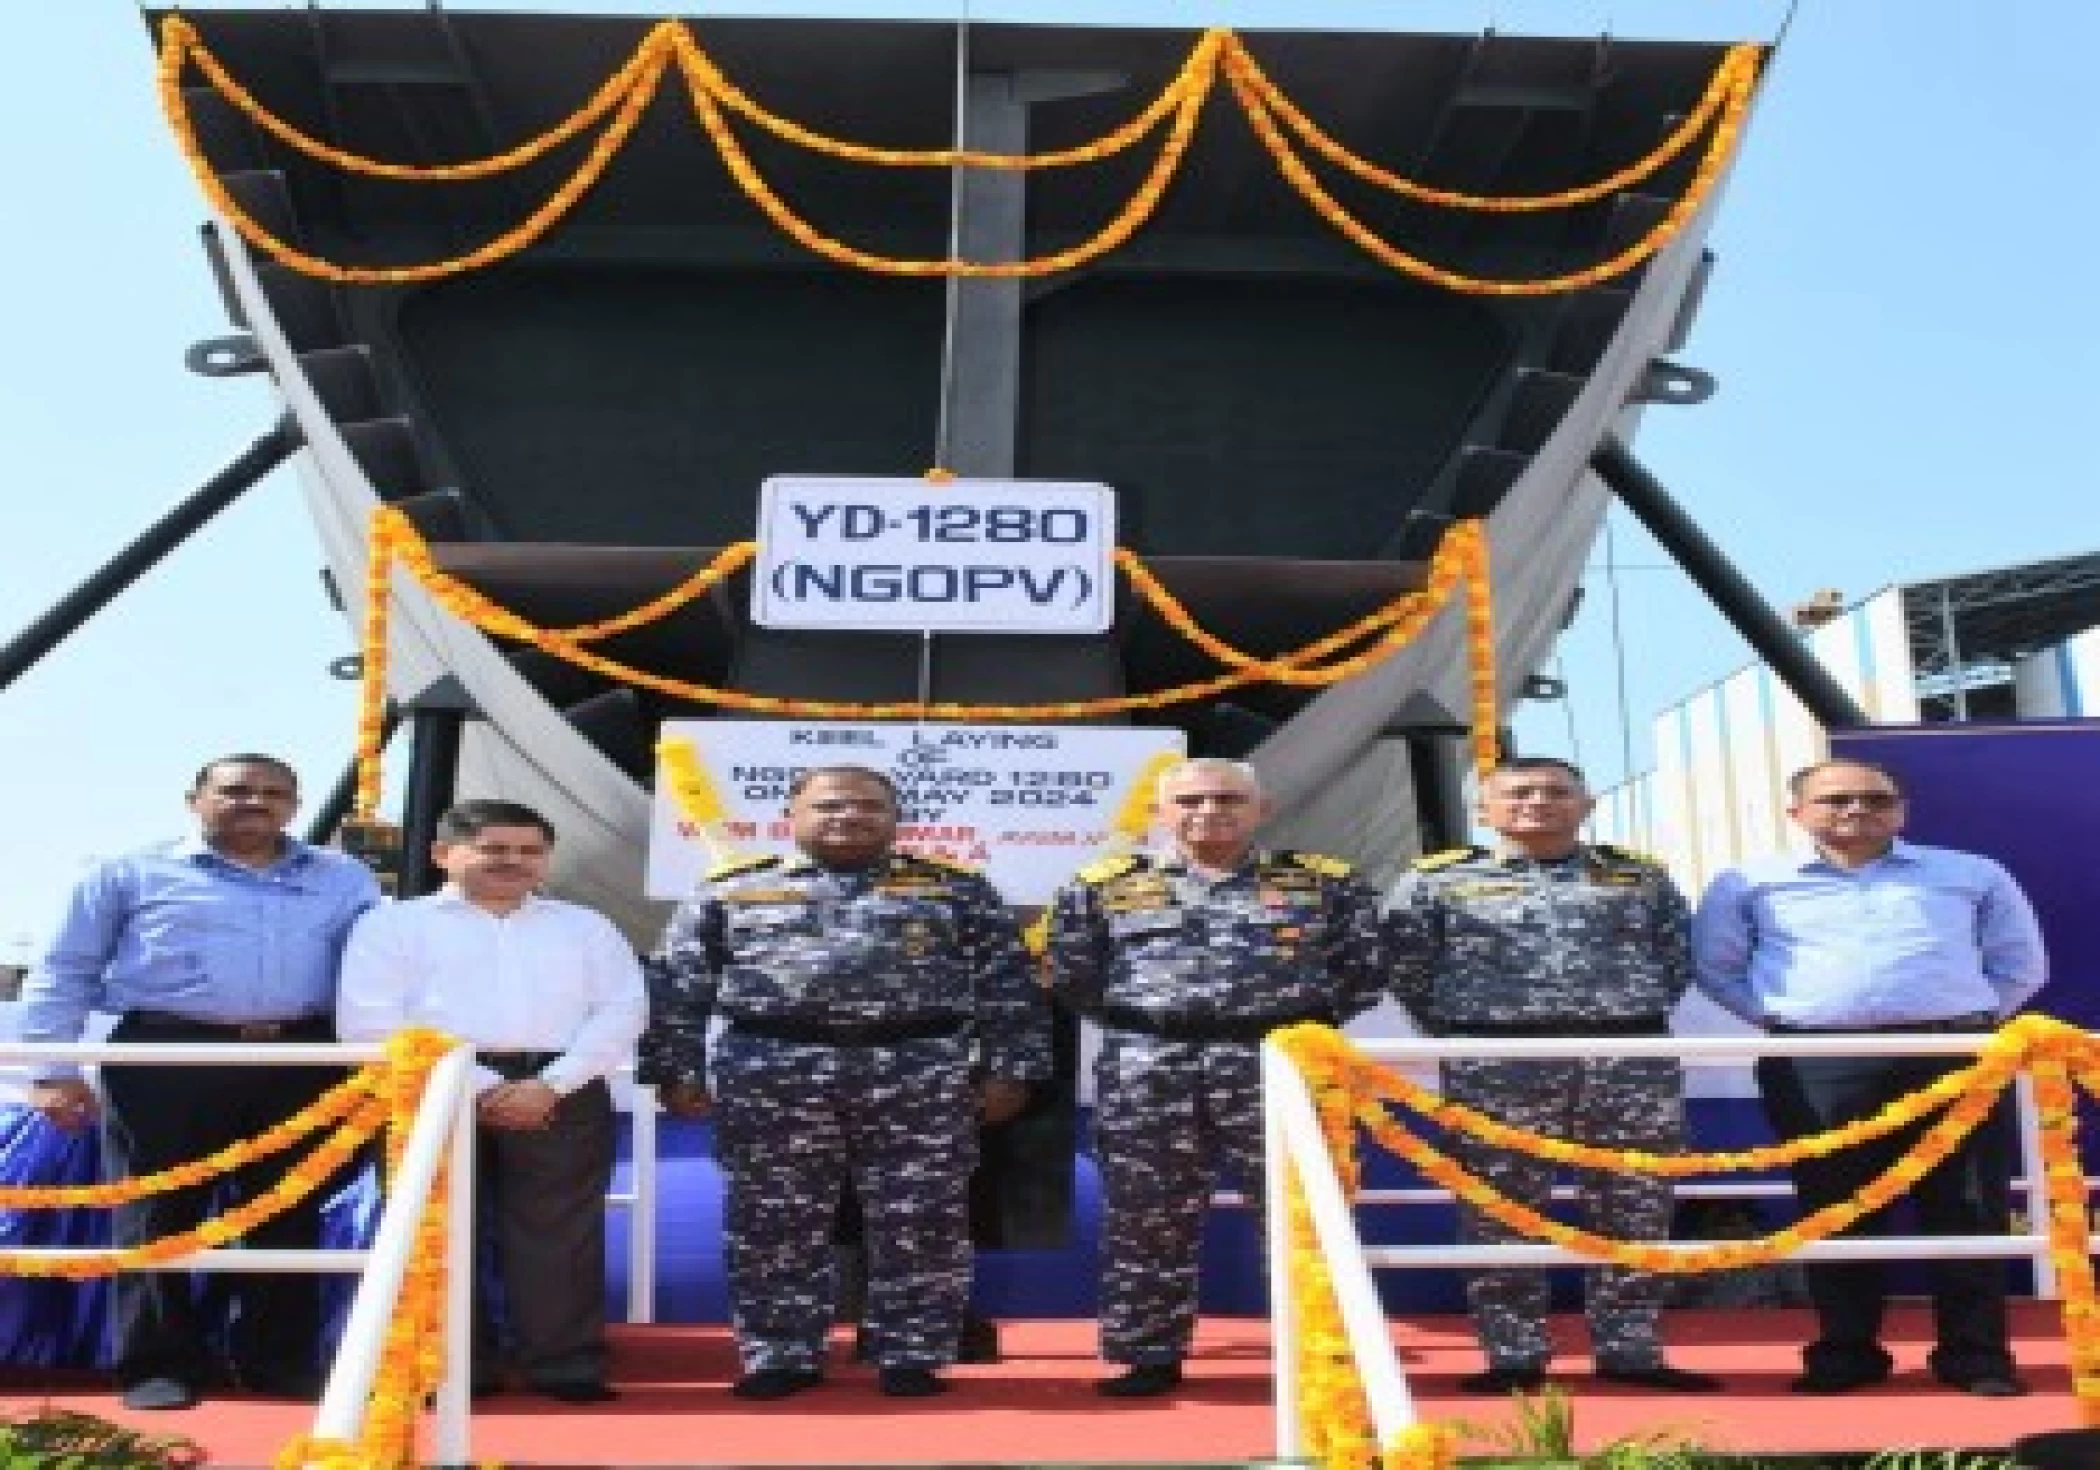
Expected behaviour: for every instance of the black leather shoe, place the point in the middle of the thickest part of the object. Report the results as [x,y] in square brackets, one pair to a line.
[774,1383]
[577,1391]
[980,1340]
[1503,1380]
[1144,1381]
[1662,1376]
[159,1393]
[909,1383]
[1990,1385]
[1835,1380]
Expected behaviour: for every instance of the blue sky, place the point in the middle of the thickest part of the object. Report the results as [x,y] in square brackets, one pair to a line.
[1904,324]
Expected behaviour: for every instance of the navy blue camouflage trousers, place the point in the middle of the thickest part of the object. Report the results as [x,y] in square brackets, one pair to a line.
[794,1123]
[1615,1102]
[1168,1117]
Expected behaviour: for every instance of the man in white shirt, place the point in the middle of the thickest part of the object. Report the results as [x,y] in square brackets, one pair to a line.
[552,997]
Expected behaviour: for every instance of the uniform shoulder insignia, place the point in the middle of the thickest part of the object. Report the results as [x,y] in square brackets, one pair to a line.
[1431,862]
[1326,867]
[1626,855]
[938,864]
[748,863]
[1107,868]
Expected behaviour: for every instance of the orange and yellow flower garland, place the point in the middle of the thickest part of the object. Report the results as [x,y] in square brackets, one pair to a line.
[1460,562]
[1729,87]
[1346,1086]
[1326,1049]
[384,1095]
[1189,93]
[364,1120]
[621,100]
[1742,78]
[411,1364]
[341,1101]
[1333,1413]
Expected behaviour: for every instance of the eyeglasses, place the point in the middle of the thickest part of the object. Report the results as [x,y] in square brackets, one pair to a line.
[251,793]
[1873,801]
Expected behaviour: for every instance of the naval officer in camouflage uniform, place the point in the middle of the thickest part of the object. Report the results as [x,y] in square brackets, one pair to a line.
[863,990]
[1551,936]
[1185,959]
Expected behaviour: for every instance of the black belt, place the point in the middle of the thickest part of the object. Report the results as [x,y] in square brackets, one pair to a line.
[514,1066]
[1618,1026]
[1204,1028]
[1973,1021]
[849,1033]
[299,1028]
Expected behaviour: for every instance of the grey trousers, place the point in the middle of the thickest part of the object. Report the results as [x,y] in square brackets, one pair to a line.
[541,1206]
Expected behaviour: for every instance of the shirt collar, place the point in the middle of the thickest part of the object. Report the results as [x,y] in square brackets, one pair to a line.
[450,897]
[1805,858]
[194,848]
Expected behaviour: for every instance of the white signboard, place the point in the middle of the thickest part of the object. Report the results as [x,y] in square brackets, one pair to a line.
[968,556]
[1025,804]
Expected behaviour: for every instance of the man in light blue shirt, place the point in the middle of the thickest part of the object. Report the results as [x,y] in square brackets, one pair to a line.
[1867,933]
[233,935]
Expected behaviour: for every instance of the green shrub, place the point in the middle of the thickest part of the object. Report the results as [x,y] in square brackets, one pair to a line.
[60,1439]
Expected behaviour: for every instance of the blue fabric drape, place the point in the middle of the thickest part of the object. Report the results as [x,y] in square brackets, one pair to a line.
[46,1323]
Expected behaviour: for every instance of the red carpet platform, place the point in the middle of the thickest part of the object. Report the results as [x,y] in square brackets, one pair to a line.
[1039,1406]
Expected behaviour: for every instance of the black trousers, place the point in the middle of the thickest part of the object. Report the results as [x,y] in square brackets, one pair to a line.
[1968,1194]
[156,1117]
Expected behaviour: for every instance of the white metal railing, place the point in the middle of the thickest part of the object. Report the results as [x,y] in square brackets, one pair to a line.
[1292,1139]
[638,1199]
[444,1124]
[444,1127]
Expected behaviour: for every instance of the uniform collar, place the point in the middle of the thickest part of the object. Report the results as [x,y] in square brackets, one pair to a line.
[1174,860]
[1580,853]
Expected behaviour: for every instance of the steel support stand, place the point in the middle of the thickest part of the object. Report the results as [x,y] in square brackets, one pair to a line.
[435,720]
[1773,638]
[141,556]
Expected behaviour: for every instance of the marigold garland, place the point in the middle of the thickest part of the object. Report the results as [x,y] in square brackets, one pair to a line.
[180,43]
[1461,561]
[1197,73]
[1126,222]
[1348,1090]
[411,1363]
[1732,81]
[621,100]
[1319,1047]
[1666,229]
[510,242]
[339,1102]
[299,1181]
[1333,1411]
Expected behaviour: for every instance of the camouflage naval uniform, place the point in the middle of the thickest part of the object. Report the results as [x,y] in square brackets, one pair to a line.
[857,1002]
[1184,977]
[1591,944]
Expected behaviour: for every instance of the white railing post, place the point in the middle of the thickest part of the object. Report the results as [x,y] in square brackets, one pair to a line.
[342,1411]
[2029,1121]
[452,1435]
[641,1214]
[1355,1293]
[1283,1309]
